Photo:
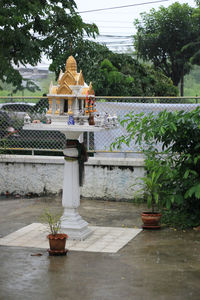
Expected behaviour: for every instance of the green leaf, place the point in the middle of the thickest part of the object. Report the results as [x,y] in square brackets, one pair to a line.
[173,126]
[178,198]
[194,190]
[187,172]
[197,192]
[168,203]
[156,197]
[162,130]
[149,201]
[196,159]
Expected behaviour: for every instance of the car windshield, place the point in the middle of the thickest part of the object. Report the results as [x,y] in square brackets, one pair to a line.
[16,107]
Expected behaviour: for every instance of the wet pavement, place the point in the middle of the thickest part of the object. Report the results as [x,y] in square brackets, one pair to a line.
[163,264]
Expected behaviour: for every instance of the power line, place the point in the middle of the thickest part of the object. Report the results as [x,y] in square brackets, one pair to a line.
[120,45]
[115,26]
[116,7]
[106,21]
[116,42]
[113,36]
[116,32]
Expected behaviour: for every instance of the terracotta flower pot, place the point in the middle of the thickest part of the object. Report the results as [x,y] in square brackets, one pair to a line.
[151,220]
[57,244]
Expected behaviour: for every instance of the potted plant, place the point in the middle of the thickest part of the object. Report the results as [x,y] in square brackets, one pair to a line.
[151,219]
[57,240]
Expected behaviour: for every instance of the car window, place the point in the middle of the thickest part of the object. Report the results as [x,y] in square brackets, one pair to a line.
[16,107]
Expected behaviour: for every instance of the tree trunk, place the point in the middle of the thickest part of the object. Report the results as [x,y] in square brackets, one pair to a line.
[182,86]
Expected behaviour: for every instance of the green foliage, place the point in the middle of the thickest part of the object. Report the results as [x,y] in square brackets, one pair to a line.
[159,173]
[3,145]
[43,83]
[41,106]
[152,189]
[114,74]
[114,81]
[191,82]
[30,28]
[193,46]
[5,121]
[161,36]
[179,218]
[53,221]
[39,139]
[178,166]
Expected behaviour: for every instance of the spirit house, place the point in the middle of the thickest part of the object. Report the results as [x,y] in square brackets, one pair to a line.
[71,97]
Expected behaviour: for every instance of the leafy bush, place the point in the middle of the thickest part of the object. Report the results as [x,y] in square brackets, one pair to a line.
[179,162]
[180,218]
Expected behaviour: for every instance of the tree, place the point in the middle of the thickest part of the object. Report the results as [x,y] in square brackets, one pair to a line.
[114,74]
[30,28]
[88,55]
[114,81]
[161,36]
[193,46]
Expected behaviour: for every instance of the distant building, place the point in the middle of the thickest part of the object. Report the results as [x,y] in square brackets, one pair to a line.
[33,73]
[36,73]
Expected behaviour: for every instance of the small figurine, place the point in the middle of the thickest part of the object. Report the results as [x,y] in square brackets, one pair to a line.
[97,120]
[115,119]
[71,120]
[109,121]
[106,118]
[48,121]
[27,119]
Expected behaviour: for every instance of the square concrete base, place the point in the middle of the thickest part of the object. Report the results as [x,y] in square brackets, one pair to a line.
[102,239]
[77,234]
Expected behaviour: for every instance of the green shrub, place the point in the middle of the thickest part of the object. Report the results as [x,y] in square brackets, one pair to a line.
[179,162]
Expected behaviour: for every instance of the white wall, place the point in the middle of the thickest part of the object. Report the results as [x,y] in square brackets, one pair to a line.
[105,178]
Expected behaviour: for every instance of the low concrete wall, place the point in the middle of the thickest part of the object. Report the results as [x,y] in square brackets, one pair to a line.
[105,178]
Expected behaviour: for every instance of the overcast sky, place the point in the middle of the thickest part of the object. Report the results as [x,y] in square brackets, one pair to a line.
[118,22]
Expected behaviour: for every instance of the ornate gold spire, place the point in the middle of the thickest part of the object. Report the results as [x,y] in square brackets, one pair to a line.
[71,65]
[90,89]
[60,76]
[81,79]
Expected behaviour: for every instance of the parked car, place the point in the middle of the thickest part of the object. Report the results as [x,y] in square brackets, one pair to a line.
[11,127]
[19,110]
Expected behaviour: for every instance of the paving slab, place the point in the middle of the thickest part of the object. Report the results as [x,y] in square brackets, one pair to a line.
[103,239]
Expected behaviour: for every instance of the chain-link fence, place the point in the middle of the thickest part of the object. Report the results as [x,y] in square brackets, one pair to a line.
[14,137]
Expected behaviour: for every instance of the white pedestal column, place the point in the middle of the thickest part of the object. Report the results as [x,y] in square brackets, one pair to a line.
[71,222]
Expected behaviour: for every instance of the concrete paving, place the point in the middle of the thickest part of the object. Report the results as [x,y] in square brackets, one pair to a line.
[102,239]
[161,265]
